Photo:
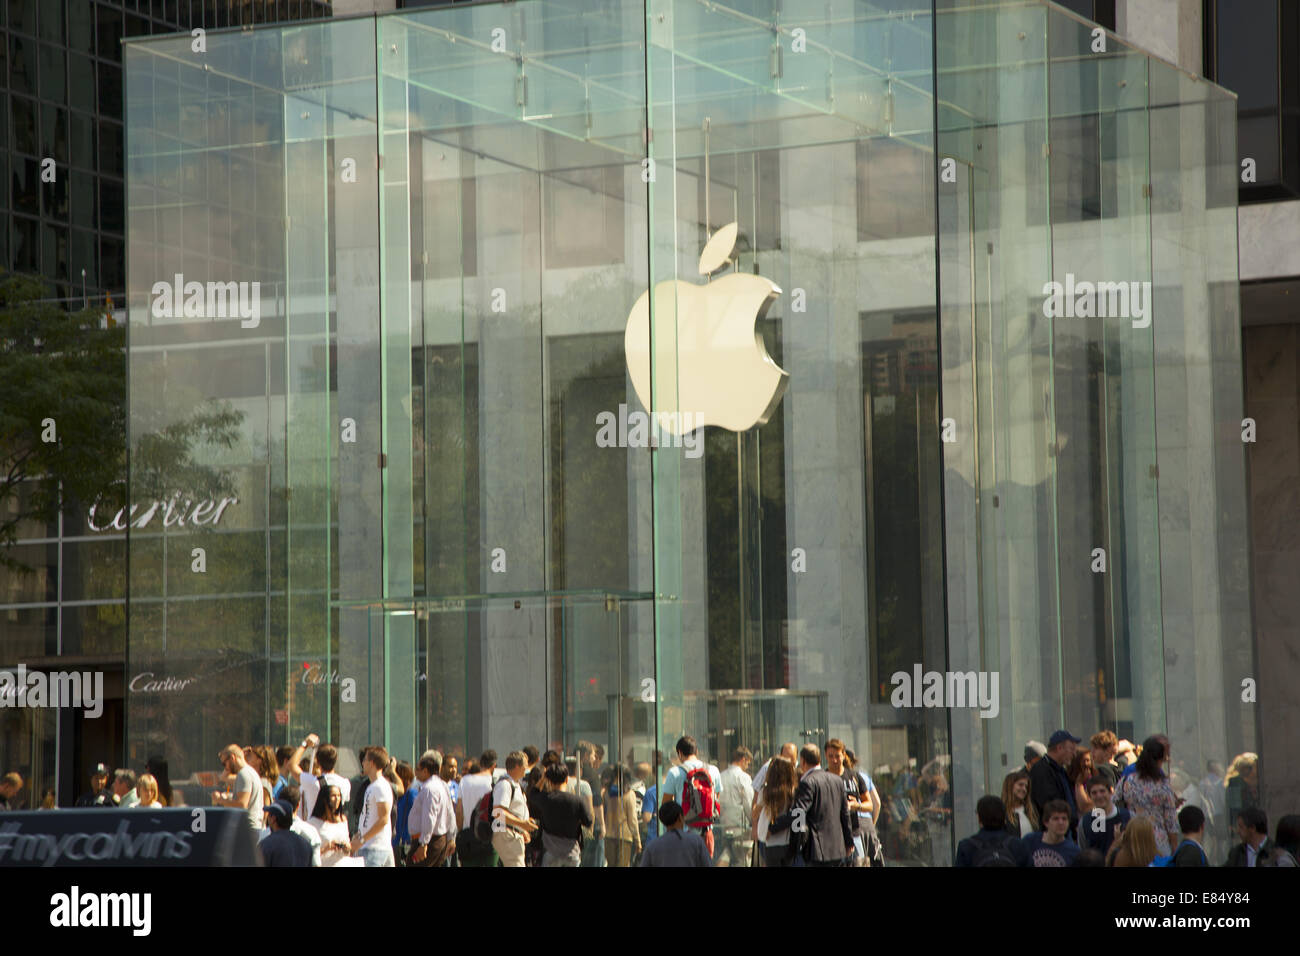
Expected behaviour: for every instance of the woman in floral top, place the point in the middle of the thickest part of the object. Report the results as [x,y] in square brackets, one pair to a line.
[1146,793]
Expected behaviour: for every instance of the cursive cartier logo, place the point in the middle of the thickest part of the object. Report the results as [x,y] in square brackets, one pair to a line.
[146,683]
[204,512]
[312,674]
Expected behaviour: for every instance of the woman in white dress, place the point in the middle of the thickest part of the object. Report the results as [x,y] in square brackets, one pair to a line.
[331,822]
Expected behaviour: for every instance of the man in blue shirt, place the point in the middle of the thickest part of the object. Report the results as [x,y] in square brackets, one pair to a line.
[649,799]
[675,783]
[679,846]
[1098,829]
[1052,847]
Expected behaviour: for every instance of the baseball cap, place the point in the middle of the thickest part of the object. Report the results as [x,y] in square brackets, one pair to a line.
[1034,749]
[1060,737]
[282,810]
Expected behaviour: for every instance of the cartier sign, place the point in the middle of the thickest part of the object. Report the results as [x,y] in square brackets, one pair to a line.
[176,511]
[149,683]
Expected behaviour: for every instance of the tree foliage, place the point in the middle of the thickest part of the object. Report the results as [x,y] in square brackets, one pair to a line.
[62,408]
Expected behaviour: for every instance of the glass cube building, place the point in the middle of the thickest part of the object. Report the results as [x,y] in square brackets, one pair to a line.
[426,307]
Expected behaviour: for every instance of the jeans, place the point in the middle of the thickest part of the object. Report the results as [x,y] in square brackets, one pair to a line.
[377,855]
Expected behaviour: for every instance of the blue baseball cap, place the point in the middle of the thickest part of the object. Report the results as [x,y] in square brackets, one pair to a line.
[1060,737]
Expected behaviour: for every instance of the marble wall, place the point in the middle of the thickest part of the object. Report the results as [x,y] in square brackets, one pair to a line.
[1272,382]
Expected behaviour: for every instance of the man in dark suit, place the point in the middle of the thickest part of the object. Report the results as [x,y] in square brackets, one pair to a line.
[819,816]
[1255,848]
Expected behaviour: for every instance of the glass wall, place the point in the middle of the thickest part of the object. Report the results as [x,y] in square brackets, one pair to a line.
[1091,353]
[619,370]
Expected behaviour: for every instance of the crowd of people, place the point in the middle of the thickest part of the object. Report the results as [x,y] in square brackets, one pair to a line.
[1114,804]
[1109,804]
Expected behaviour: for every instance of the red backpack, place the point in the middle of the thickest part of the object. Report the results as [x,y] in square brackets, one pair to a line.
[699,801]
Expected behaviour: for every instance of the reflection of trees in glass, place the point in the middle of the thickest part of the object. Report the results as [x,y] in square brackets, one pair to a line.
[62,414]
[163,462]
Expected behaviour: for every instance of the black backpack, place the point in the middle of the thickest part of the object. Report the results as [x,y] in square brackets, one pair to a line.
[995,852]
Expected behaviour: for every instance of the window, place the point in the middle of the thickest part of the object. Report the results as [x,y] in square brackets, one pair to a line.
[54,22]
[24,254]
[81,37]
[22,65]
[82,89]
[26,191]
[110,89]
[54,134]
[54,73]
[109,28]
[22,15]
[25,126]
[1252,47]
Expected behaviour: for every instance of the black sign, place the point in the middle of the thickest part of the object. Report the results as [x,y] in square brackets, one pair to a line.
[184,836]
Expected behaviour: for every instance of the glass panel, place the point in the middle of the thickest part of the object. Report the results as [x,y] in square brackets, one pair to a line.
[439,488]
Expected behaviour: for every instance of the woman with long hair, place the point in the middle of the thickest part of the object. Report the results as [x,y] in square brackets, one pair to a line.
[1135,845]
[157,766]
[1022,815]
[1080,773]
[146,788]
[262,759]
[774,799]
[1146,793]
[1241,786]
[331,822]
[402,810]
[622,817]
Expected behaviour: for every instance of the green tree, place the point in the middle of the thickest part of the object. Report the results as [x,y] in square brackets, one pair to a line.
[62,408]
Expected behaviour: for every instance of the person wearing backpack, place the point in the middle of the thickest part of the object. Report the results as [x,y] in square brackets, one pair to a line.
[697,789]
[474,842]
[993,845]
[510,827]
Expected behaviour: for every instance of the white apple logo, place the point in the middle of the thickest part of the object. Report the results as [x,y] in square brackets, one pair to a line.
[724,375]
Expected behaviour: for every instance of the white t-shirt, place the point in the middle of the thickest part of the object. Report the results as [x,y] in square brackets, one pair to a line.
[473,788]
[248,780]
[510,795]
[764,836]
[331,833]
[311,791]
[378,792]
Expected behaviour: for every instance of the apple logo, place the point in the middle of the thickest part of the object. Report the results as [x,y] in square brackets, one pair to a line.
[724,375]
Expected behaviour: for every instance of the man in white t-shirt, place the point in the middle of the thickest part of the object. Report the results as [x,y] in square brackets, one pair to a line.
[247,788]
[511,827]
[374,837]
[675,783]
